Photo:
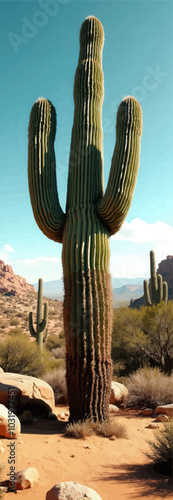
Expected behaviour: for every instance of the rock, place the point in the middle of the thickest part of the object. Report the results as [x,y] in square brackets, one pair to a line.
[165,409]
[147,411]
[61,415]
[25,392]
[162,418]
[9,424]
[113,409]
[118,393]
[1,370]
[153,426]
[26,478]
[11,283]
[70,490]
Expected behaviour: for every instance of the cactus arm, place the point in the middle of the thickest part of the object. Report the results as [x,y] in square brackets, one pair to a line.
[159,294]
[42,170]
[147,294]
[45,335]
[113,207]
[31,328]
[165,292]
[43,324]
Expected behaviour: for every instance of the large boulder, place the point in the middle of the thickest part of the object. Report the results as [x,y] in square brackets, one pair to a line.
[70,490]
[119,393]
[9,424]
[20,392]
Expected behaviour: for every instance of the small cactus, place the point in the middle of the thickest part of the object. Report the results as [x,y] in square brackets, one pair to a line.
[158,288]
[39,334]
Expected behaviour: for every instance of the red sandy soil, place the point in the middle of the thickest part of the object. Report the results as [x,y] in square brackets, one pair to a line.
[116,469]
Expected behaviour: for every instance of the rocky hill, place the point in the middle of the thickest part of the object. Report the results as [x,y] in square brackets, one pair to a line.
[165,268]
[12,284]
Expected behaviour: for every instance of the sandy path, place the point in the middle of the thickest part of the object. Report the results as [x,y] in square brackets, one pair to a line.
[116,469]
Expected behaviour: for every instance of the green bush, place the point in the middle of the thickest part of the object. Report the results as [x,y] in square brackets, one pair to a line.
[149,387]
[19,355]
[162,449]
[142,337]
[53,342]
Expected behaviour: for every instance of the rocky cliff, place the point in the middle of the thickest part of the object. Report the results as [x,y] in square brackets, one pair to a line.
[165,268]
[12,284]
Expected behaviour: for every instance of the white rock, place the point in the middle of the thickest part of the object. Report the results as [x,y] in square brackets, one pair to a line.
[118,393]
[70,490]
[113,409]
[9,424]
[26,478]
[26,389]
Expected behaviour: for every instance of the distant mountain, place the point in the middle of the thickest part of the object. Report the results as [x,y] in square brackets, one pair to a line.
[11,283]
[124,289]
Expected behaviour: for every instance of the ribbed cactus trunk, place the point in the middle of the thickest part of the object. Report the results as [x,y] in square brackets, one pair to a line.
[88,298]
[91,217]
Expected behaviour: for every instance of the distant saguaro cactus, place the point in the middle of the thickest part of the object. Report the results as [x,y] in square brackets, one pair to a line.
[159,289]
[91,218]
[41,323]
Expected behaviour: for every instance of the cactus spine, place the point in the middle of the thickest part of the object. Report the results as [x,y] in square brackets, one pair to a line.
[91,217]
[159,289]
[41,324]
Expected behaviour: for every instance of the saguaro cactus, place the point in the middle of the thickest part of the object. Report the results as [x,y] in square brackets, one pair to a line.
[158,288]
[91,217]
[41,324]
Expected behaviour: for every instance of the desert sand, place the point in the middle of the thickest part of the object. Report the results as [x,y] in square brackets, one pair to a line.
[116,469]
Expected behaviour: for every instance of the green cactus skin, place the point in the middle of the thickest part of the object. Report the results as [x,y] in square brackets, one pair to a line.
[39,334]
[91,217]
[159,289]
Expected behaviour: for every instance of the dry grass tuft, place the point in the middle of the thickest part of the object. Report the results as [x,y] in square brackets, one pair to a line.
[85,428]
[111,428]
[80,430]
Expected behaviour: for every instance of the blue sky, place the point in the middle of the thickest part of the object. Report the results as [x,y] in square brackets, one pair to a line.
[39,43]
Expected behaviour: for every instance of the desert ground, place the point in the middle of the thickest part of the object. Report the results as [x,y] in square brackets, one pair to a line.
[116,469]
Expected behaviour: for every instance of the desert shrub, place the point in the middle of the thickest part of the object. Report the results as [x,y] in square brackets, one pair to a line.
[162,449]
[142,337]
[16,331]
[149,387]
[14,321]
[19,355]
[58,353]
[57,380]
[109,428]
[80,430]
[61,335]
[52,342]
[3,323]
